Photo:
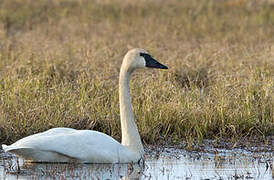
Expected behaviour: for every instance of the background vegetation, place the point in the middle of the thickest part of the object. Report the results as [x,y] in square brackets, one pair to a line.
[60,60]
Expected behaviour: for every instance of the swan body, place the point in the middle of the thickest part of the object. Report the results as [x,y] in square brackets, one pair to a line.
[70,145]
[88,146]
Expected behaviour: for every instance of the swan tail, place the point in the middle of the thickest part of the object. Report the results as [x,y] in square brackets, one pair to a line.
[5,147]
[15,150]
[11,148]
[35,155]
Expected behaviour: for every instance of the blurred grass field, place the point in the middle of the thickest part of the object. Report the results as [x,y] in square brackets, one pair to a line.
[60,60]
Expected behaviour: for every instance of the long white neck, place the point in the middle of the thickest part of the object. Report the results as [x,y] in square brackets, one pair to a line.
[130,135]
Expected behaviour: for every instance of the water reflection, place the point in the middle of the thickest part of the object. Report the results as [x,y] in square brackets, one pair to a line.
[16,169]
[169,164]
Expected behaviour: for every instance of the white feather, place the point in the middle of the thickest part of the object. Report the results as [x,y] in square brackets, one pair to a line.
[70,145]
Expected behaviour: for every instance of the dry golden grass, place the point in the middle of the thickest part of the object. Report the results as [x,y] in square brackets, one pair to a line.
[60,60]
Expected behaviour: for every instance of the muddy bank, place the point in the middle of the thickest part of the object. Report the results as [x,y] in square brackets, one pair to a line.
[248,144]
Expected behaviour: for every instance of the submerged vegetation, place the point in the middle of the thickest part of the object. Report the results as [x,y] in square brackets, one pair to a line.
[60,60]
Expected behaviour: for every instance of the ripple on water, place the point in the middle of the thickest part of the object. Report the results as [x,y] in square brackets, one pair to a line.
[169,163]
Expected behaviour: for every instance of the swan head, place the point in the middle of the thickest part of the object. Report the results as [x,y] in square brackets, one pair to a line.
[140,58]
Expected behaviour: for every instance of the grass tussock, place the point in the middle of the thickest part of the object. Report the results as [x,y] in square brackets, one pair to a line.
[59,66]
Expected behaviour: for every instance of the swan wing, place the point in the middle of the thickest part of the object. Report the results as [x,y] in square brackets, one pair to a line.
[84,145]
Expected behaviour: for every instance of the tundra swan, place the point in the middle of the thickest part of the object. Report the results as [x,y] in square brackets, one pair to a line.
[87,146]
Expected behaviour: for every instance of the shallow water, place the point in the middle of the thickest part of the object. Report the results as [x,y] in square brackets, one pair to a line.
[170,163]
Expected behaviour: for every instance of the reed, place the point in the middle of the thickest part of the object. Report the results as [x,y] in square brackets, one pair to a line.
[59,66]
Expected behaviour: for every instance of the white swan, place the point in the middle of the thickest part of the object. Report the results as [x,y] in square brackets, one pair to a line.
[87,146]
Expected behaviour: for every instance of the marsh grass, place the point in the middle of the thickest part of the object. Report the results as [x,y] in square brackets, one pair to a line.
[59,66]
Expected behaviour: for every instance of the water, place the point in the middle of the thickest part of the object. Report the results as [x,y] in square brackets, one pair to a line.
[170,163]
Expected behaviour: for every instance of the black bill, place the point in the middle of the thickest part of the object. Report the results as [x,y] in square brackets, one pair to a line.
[152,63]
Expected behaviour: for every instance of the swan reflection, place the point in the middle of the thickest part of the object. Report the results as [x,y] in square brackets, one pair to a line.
[18,167]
